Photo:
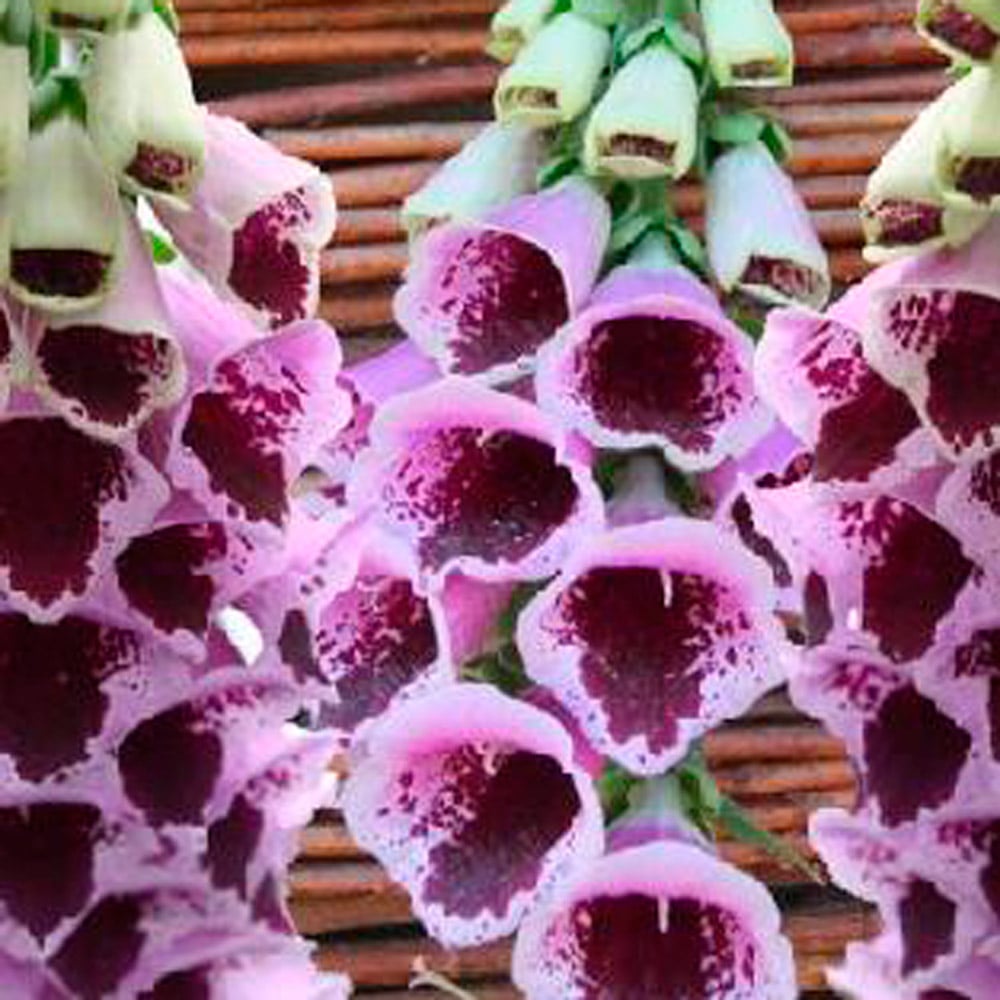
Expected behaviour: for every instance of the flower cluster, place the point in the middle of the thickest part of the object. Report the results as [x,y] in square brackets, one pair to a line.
[152,424]
[878,509]
[493,596]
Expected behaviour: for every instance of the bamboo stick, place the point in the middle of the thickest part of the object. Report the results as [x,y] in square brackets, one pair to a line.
[385,184]
[352,312]
[878,85]
[300,48]
[364,263]
[367,225]
[383,93]
[374,142]
[220,19]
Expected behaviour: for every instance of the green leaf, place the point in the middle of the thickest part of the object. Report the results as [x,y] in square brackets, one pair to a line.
[687,246]
[59,94]
[556,168]
[775,136]
[613,788]
[738,824]
[606,469]
[162,250]
[685,43]
[503,669]
[19,23]
[638,39]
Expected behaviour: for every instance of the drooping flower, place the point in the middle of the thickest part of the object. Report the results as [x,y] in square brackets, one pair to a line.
[632,136]
[664,919]
[912,757]
[931,333]
[141,111]
[653,362]
[68,506]
[640,493]
[759,234]
[476,481]
[173,579]
[652,635]
[472,801]
[968,152]
[482,297]
[107,368]
[884,573]
[515,24]
[968,505]
[553,78]
[82,15]
[67,223]
[904,208]
[355,629]
[748,46]
[930,924]
[243,438]
[495,167]
[811,370]
[257,224]
[968,29]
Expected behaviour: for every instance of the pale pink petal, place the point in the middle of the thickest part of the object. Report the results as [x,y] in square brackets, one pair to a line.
[476,481]
[257,224]
[912,757]
[357,631]
[664,920]
[654,362]
[472,801]
[68,505]
[652,635]
[246,436]
[482,297]
[932,334]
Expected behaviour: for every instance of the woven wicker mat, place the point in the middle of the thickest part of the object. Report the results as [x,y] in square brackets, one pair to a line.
[378,92]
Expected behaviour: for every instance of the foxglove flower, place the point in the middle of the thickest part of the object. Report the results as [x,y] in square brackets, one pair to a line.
[554,76]
[811,370]
[748,46]
[357,631]
[257,224]
[64,520]
[640,493]
[651,636]
[141,111]
[904,209]
[928,926]
[912,757]
[654,362]
[931,334]
[82,15]
[482,297]
[968,153]
[472,801]
[181,764]
[13,348]
[967,29]
[968,505]
[665,920]
[760,237]
[495,167]
[246,436]
[176,577]
[67,223]
[515,24]
[632,136]
[476,481]
[886,574]
[472,612]
[15,86]
[106,369]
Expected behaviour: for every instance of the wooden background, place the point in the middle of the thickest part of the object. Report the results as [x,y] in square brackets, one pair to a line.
[378,92]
